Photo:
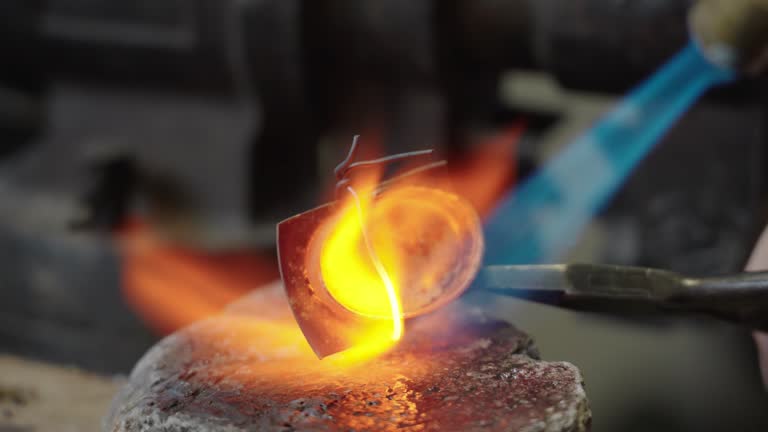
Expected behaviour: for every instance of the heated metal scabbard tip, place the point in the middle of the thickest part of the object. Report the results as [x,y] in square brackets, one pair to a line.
[732,33]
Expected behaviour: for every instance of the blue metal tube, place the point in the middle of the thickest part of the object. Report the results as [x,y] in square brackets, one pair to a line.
[541,219]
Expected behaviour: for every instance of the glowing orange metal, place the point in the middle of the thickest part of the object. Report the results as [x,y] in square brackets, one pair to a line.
[354,269]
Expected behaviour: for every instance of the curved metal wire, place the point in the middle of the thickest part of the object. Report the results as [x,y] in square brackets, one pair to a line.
[343,169]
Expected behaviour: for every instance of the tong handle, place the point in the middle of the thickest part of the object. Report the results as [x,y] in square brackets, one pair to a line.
[741,298]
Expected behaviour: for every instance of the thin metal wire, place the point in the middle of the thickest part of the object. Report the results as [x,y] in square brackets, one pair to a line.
[343,169]
[392,158]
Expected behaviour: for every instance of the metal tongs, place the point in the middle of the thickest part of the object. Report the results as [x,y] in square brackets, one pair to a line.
[740,298]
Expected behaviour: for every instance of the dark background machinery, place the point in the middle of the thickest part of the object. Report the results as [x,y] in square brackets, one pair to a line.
[304,70]
[280,80]
[213,119]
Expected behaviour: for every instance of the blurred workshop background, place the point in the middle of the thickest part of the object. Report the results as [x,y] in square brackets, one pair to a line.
[148,147]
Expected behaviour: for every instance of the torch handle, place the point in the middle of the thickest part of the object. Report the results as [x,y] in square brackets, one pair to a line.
[741,298]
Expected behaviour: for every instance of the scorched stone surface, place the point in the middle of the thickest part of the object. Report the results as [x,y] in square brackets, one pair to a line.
[251,370]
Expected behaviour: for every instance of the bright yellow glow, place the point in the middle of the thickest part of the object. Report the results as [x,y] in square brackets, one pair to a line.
[392,298]
[401,253]
[359,269]
[370,344]
[348,268]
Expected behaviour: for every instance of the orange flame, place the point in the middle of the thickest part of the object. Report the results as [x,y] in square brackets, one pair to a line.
[489,170]
[363,263]
[170,287]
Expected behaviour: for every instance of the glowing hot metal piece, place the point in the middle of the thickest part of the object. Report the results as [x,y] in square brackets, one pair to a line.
[355,268]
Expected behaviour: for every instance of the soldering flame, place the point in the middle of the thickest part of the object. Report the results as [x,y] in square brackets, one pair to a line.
[392,294]
[359,266]
[384,256]
[170,286]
